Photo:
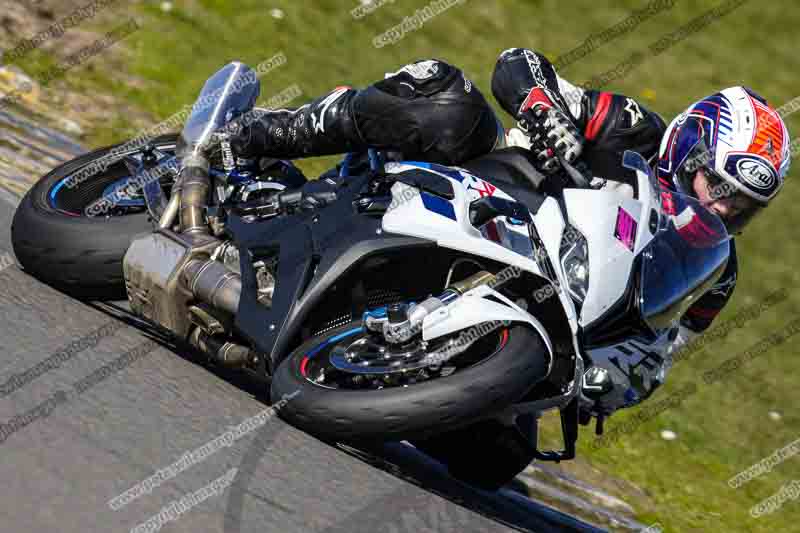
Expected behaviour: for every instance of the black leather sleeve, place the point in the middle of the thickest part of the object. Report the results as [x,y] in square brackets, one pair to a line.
[323,127]
[613,123]
[427,110]
[702,313]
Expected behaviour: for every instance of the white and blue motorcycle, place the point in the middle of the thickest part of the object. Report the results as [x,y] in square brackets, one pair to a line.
[445,306]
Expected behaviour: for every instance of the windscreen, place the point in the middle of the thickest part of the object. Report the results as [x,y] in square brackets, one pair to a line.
[227,94]
[686,257]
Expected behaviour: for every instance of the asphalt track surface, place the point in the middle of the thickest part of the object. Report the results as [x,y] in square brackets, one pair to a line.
[116,406]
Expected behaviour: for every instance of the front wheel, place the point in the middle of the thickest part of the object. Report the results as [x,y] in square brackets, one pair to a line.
[327,401]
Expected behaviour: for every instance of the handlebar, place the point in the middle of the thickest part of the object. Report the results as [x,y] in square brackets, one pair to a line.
[578,173]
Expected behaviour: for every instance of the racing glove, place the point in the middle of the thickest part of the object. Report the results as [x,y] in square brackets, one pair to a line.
[551,131]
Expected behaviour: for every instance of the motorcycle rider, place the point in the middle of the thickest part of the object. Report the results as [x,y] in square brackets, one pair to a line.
[729,150]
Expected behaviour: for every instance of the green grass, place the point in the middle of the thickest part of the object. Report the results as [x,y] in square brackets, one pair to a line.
[722,429]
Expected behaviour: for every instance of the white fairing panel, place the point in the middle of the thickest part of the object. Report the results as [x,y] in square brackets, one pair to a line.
[473,309]
[599,216]
[450,226]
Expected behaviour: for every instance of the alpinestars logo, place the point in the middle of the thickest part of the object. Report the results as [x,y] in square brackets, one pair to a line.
[318,122]
[536,68]
[636,113]
[724,287]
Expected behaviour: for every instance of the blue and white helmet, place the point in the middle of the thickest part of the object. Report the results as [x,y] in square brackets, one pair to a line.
[741,143]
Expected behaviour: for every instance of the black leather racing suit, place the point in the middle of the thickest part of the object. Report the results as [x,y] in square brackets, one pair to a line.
[430,111]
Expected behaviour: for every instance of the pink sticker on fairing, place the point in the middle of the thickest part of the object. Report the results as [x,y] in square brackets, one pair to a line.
[625,231]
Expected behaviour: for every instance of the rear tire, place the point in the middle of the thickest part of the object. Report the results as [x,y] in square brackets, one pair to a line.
[417,411]
[79,255]
[487,455]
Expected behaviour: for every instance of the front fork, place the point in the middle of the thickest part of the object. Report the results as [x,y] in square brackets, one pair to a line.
[402,322]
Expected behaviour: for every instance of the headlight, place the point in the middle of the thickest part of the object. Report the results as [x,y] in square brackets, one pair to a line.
[575,262]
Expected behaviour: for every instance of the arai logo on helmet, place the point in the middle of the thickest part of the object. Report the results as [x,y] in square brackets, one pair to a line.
[756,173]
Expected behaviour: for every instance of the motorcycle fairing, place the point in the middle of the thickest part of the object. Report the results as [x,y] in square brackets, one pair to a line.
[409,215]
[314,250]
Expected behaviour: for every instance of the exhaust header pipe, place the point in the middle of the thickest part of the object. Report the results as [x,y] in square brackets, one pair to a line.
[195,185]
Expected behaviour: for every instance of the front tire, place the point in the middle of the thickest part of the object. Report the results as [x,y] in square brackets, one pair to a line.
[415,411]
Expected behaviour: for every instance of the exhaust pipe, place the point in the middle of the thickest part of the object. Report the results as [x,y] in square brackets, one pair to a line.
[223,353]
[195,186]
[213,283]
[168,217]
[209,281]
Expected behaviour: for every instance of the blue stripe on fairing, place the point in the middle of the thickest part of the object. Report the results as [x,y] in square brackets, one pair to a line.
[55,190]
[440,206]
[418,164]
[335,338]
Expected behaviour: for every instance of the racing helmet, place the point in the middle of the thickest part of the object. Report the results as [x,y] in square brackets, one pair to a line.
[740,142]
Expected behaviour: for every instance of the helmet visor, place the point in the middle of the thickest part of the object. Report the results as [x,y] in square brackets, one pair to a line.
[737,208]
[691,154]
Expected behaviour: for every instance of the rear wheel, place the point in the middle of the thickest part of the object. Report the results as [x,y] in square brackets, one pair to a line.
[346,405]
[56,242]
[486,454]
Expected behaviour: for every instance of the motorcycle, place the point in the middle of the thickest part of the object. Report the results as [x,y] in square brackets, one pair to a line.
[446,306]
